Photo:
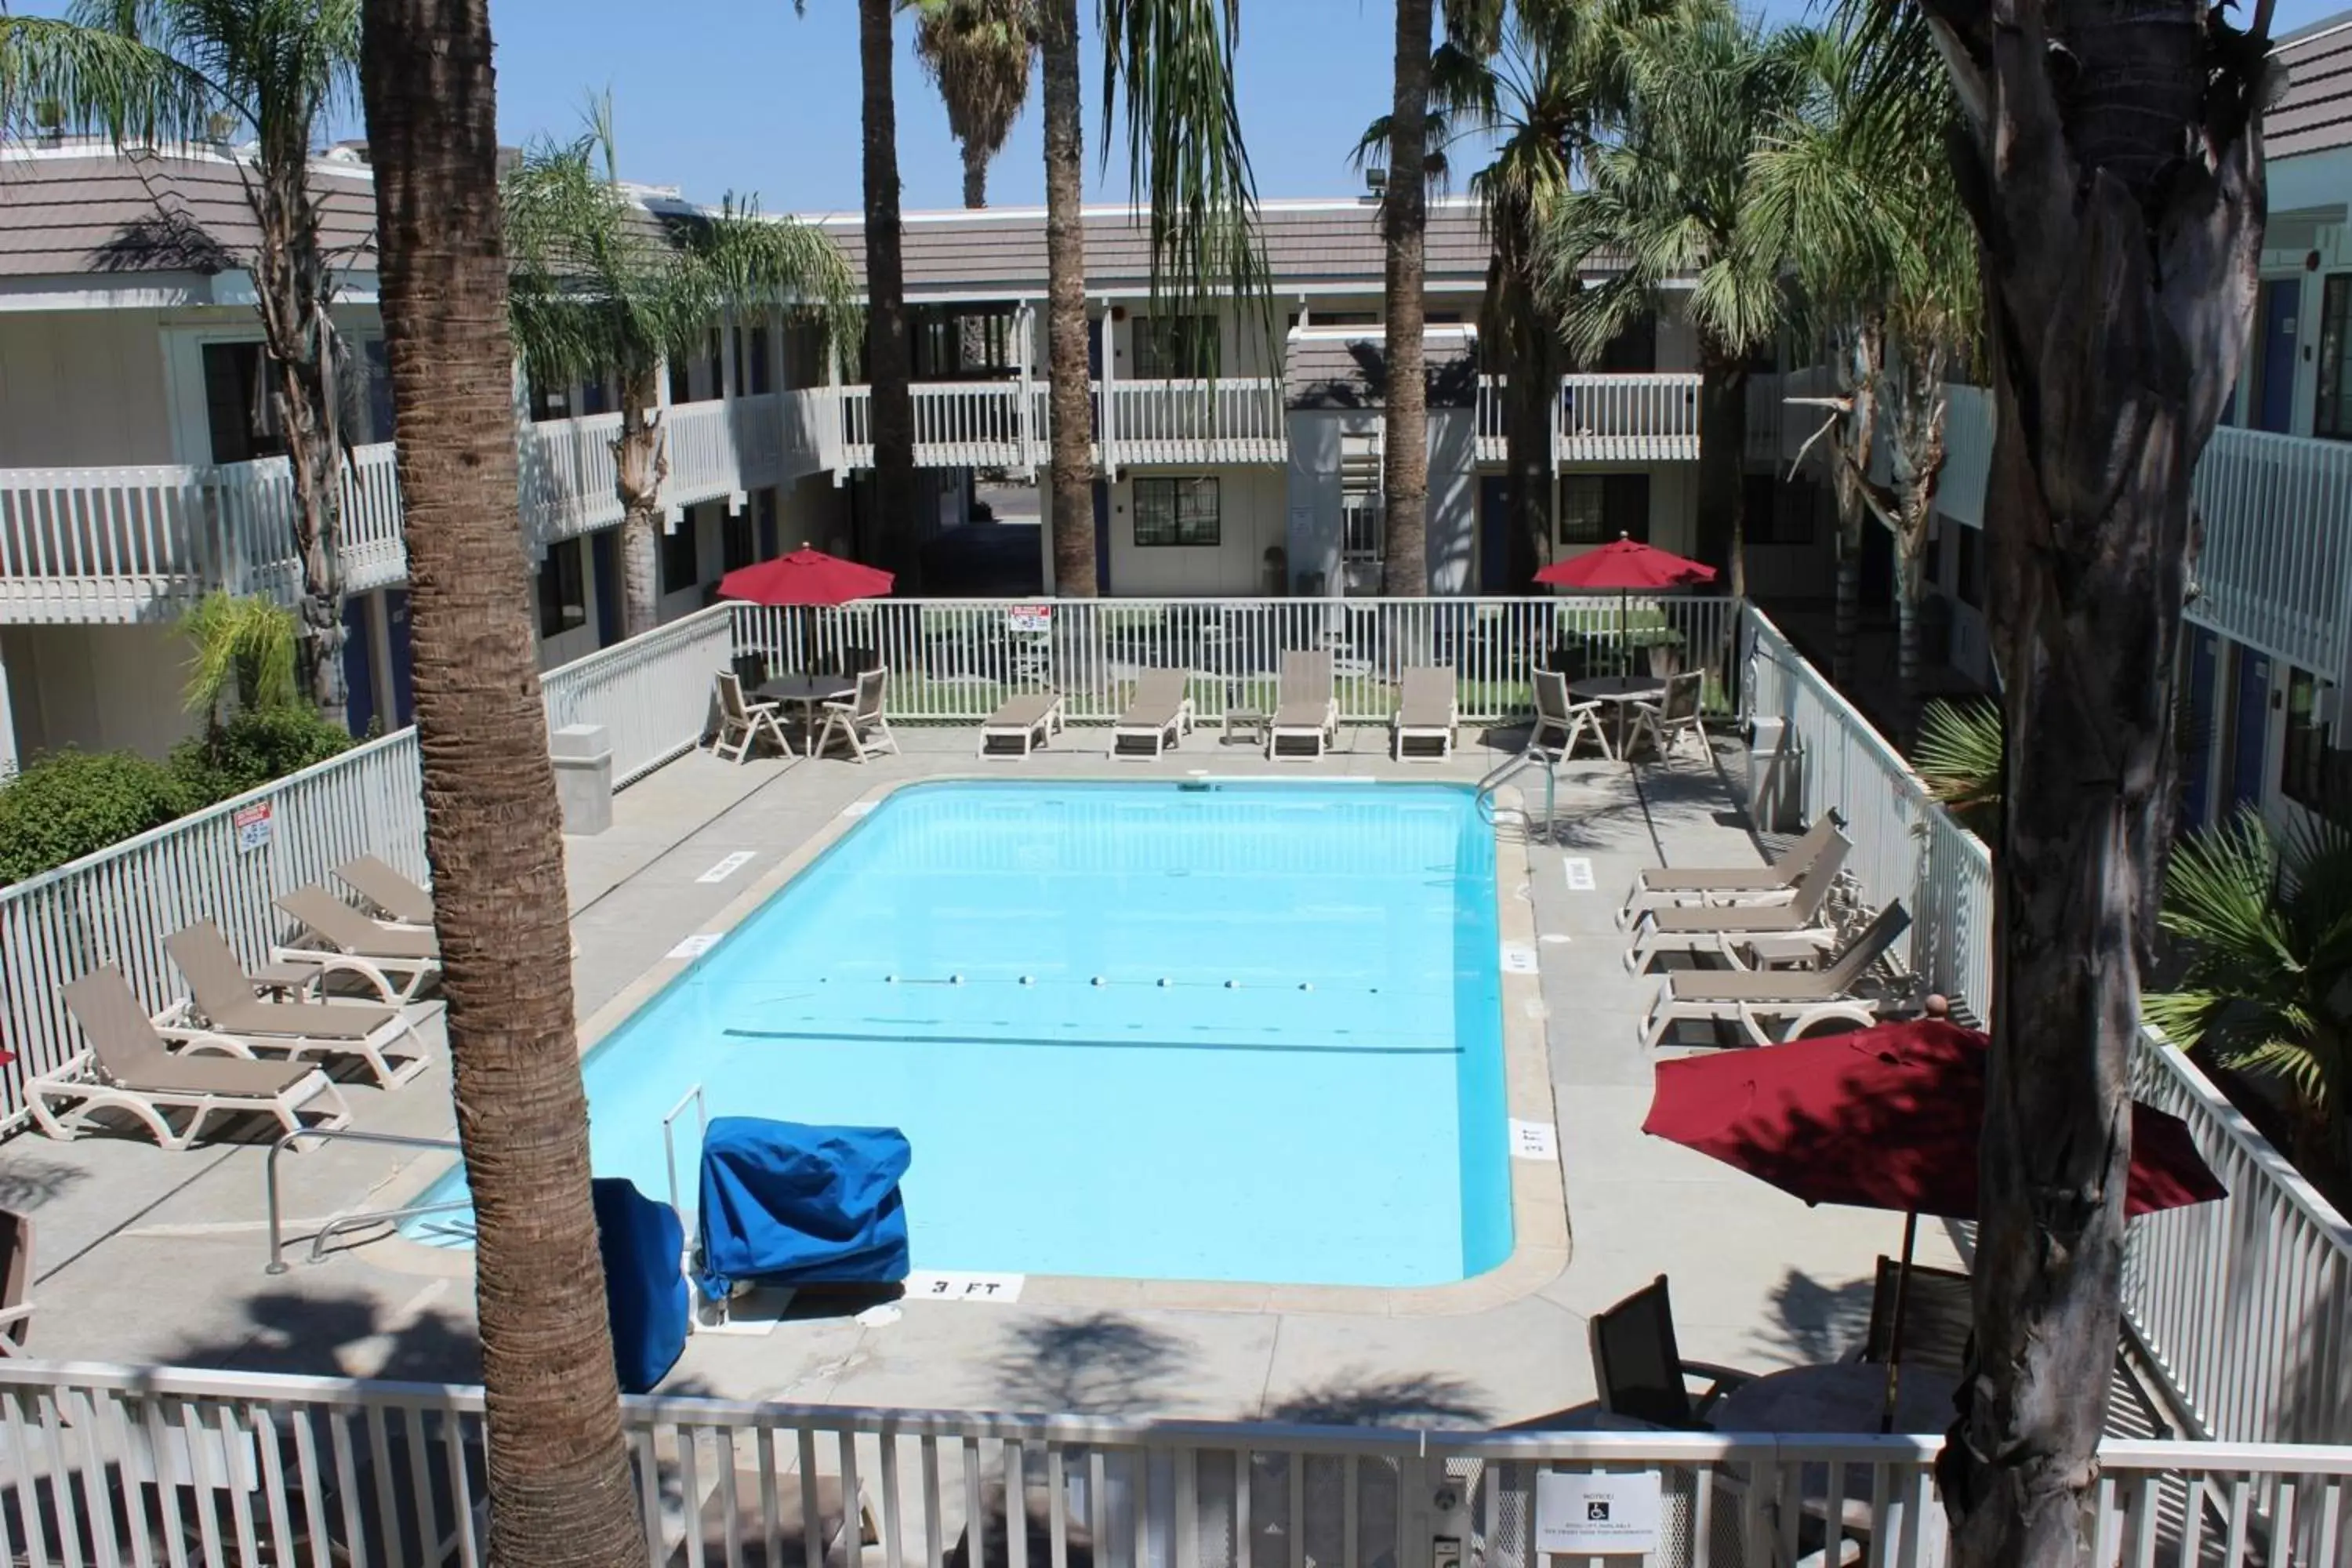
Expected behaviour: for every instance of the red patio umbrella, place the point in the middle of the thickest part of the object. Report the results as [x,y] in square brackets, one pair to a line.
[1625,565]
[1885,1117]
[806,576]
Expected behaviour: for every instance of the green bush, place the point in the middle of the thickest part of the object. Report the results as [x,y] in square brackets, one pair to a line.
[70,804]
[252,747]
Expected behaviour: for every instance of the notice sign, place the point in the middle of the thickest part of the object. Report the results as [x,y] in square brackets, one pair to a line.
[1590,1515]
[254,825]
[1033,619]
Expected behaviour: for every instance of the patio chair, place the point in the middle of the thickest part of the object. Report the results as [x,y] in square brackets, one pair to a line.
[1159,713]
[1721,929]
[1557,713]
[1021,724]
[1752,997]
[1938,1315]
[395,962]
[393,894]
[128,1067]
[224,1002]
[1427,711]
[858,723]
[742,721]
[1639,1370]
[15,1282]
[1306,705]
[1674,715]
[1657,887]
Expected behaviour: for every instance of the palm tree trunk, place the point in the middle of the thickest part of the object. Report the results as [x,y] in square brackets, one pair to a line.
[315,463]
[640,464]
[1404,451]
[1910,587]
[1722,465]
[1070,393]
[1857,430]
[975,175]
[1916,461]
[559,1473]
[889,360]
[2120,236]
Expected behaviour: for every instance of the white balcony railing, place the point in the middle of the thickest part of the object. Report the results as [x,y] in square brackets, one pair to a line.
[2276,569]
[958,425]
[1232,420]
[1605,418]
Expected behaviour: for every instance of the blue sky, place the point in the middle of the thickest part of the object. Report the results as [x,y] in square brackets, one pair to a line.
[743,96]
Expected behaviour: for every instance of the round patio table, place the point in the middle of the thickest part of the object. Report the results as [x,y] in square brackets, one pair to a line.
[1843,1397]
[1619,692]
[808,692]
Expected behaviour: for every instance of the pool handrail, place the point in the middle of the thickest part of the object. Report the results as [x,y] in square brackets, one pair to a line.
[278,1264]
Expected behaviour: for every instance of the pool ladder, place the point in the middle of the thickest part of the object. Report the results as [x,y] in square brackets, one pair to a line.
[343,1223]
[1510,768]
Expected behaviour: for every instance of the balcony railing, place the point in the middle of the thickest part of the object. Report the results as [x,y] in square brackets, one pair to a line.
[1232,420]
[958,425]
[1605,418]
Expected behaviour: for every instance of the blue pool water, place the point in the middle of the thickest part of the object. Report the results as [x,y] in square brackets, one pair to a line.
[1203,1031]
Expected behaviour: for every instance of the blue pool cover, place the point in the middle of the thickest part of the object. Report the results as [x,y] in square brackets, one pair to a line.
[641,1241]
[792,1204]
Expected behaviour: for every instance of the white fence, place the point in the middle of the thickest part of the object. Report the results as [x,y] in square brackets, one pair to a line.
[1628,419]
[2276,569]
[107,1466]
[955,660]
[651,694]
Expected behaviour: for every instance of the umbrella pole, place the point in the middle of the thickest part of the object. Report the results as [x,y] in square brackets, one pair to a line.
[1894,1339]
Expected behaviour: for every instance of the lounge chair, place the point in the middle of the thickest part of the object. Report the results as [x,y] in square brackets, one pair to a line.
[129,1069]
[1662,887]
[858,723]
[1722,930]
[15,1282]
[1158,712]
[1306,705]
[394,896]
[1640,1370]
[396,961]
[1674,715]
[742,721]
[1021,724]
[1756,998]
[224,1002]
[1426,712]
[1558,714]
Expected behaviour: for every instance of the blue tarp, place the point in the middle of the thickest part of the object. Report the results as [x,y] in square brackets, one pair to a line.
[642,1244]
[791,1204]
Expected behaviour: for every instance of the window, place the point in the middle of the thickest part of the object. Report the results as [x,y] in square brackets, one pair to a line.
[2312,773]
[243,417]
[1171,348]
[548,402]
[1778,513]
[1176,512]
[1972,568]
[594,398]
[681,380]
[2333,417]
[964,342]
[563,589]
[737,536]
[1346,319]
[1596,507]
[1931,560]
[681,567]
[803,352]
[761,379]
[1634,350]
[766,502]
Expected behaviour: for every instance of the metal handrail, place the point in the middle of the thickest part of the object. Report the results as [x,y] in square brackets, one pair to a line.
[1510,768]
[343,1222]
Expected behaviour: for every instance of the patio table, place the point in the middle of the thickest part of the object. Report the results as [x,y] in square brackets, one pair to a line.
[809,691]
[1620,692]
[1843,1398]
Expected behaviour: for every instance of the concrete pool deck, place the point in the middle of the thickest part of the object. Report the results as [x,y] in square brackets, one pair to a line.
[153,1258]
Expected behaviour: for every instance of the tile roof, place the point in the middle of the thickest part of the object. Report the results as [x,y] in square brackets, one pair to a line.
[2316,111]
[1328,369]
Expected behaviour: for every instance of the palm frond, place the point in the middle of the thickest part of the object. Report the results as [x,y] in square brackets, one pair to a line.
[1961,753]
[241,648]
[980,54]
[93,79]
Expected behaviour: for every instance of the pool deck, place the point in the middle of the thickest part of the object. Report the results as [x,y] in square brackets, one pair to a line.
[145,1257]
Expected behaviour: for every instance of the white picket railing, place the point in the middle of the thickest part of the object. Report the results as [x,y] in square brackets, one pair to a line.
[955,660]
[1628,419]
[1236,419]
[2276,569]
[957,425]
[111,1465]
[651,694]
[568,478]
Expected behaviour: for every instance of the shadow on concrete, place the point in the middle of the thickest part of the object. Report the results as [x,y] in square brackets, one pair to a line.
[28,1182]
[1361,1396]
[341,1334]
[1102,1363]
[1813,1322]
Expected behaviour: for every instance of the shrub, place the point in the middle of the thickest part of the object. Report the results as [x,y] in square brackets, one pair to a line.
[251,748]
[71,804]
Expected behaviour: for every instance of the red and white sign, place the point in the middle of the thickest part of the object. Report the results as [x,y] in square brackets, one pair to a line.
[1036,619]
[254,825]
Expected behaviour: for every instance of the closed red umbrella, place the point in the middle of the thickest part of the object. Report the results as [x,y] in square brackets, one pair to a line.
[1887,1118]
[1626,566]
[806,576]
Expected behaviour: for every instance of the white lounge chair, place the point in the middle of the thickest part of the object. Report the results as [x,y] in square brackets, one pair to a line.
[15,1282]
[224,1001]
[1021,724]
[1795,999]
[858,723]
[1427,711]
[741,721]
[1674,715]
[1306,707]
[1721,930]
[392,894]
[1661,887]
[129,1069]
[1159,713]
[1557,714]
[397,961]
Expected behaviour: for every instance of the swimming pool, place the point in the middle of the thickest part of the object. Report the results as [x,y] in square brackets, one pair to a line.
[1213,1030]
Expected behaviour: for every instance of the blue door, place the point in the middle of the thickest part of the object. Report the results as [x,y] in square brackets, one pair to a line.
[1102,537]
[604,555]
[404,676]
[359,667]
[2274,394]
[2196,739]
[2250,729]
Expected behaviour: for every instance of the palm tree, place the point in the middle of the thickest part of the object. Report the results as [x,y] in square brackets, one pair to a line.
[245,652]
[2266,918]
[1404,218]
[979,54]
[136,68]
[601,288]
[889,351]
[559,1471]
[1668,192]
[1168,64]
[2113,176]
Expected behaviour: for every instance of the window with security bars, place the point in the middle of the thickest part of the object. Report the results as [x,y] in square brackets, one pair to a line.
[1170,348]
[1362,523]
[1177,512]
[1596,507]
